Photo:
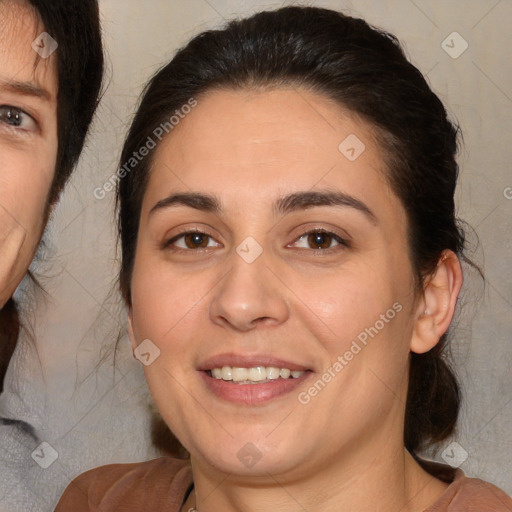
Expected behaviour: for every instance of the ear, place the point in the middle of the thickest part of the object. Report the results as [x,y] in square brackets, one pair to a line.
[437,306]
[129,328]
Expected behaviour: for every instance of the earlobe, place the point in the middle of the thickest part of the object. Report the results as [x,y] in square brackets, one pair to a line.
[437,306]
[129,329]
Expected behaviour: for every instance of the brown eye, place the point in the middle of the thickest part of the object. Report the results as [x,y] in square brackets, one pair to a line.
[320,240]
[195,240]
[323,240]
[191,240]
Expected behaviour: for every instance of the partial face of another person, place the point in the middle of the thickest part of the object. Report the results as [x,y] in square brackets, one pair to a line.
[28,141]
[262,277]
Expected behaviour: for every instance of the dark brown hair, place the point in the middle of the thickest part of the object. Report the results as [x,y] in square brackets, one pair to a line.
[365,70]
[75,25]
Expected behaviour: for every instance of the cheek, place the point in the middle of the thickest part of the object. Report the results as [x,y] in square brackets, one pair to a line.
[362,318]
[167,309]
[25,180]
[349,300]
[164,302]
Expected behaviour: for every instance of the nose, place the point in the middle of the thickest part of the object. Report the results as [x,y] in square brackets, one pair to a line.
[250,295]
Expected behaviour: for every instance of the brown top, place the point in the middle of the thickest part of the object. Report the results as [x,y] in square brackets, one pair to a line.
[163,484]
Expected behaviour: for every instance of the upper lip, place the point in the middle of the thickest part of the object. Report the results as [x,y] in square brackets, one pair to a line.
[248,361]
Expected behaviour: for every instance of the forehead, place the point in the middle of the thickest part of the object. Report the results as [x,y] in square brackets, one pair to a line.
[267,140]
[20,25]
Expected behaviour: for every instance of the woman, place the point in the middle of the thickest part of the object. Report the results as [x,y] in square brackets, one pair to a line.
[291,264]
[50,77]
[51,70]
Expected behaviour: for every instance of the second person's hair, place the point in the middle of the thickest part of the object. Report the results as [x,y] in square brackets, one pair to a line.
[75,25]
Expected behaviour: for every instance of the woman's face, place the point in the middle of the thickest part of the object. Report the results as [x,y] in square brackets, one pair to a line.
[28,141]
[300,264]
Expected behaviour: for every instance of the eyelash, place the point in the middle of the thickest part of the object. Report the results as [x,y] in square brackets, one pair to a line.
[15,113]
[342,242]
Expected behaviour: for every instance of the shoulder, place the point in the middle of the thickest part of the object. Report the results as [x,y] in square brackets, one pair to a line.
[482,496]
[472,495]
[140,486]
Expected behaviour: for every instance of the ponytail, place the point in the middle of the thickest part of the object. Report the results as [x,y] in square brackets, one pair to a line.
[433,400]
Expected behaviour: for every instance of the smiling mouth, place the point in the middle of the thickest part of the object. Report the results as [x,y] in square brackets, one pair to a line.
[253,375]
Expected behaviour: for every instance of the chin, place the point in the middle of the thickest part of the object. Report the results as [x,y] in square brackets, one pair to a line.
[245,457]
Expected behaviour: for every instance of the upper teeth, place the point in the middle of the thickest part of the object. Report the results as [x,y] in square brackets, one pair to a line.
[255,374]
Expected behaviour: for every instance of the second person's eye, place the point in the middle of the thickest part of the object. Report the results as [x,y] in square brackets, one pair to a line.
[16,118]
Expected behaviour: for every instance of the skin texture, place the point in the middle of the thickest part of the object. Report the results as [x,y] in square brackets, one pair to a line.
[293,302]
[27,152]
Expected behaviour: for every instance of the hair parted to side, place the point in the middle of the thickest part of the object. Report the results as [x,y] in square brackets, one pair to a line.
[75,25]
[364,69]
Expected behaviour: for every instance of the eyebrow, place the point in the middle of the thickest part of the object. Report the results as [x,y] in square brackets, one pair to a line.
[282,206]
[25,89]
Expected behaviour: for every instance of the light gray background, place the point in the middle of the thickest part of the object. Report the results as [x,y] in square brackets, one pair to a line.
[79,324]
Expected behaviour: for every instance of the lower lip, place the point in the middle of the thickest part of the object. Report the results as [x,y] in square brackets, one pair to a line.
[252,394]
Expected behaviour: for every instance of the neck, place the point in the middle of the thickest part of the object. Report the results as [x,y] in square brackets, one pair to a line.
[386,482]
